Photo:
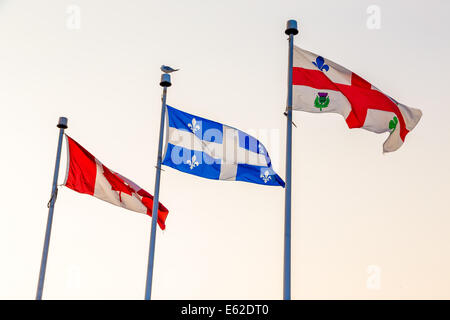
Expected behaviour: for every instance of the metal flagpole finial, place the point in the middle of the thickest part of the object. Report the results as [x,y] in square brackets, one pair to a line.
[62,123]
[165,80]
[291,27]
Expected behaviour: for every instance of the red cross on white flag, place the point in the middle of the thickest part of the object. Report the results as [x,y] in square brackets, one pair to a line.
[320,85]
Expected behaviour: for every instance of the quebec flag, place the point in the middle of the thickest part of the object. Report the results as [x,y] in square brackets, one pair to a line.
[213,150]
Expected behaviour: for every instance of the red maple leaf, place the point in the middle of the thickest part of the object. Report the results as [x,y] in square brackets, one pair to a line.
[117,184]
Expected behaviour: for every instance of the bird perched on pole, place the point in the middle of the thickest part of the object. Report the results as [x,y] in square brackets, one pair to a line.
[167,69]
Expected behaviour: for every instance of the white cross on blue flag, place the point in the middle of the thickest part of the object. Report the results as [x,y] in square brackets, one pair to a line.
[213,150]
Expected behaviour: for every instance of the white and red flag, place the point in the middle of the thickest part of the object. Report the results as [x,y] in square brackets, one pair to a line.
[86,174]
[320,85]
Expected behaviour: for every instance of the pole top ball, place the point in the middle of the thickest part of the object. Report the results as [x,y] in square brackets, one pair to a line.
[62,123]
[291,27]
[165,80]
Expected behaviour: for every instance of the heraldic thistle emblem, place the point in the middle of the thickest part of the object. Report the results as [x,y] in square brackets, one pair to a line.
[322,100]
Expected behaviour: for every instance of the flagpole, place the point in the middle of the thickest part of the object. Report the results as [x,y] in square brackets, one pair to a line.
[62,125]
[165,83]
[291,31]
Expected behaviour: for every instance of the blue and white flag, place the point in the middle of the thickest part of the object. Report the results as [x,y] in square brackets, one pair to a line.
[213,150]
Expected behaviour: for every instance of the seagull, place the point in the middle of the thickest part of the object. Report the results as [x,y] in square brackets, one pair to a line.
[167,69]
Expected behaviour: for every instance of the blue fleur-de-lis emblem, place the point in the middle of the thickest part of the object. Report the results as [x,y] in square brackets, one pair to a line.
[265,176]
[193,162]
[320,64]
[194,125]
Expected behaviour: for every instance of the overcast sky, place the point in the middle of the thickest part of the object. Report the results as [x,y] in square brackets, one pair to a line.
[365,225]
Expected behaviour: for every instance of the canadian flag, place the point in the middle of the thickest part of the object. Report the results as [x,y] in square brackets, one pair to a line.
[85,174]
[320,85]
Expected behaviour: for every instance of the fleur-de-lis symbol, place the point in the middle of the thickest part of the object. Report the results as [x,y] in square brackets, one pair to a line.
[320,64]
[265,176]
[261,149]
[192,163]
[194,126]
[393,124]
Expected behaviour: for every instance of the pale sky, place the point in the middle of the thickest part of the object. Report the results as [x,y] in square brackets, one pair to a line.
[353,207]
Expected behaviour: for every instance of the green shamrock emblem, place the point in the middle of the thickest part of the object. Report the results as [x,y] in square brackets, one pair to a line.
[393,124]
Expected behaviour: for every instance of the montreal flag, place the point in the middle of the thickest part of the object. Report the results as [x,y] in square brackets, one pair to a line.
[86,174]
[320,85]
